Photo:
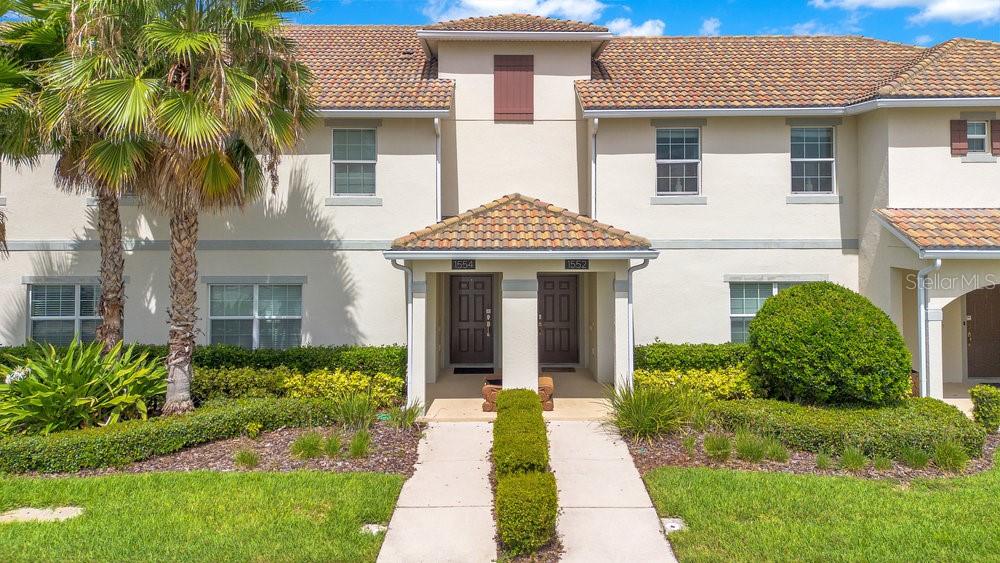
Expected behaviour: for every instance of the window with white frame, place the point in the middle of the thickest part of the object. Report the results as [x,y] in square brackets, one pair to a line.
[745,299]
[812,160]
[62,312]
[678,160]
[977,135]
[255,315]
[354,156]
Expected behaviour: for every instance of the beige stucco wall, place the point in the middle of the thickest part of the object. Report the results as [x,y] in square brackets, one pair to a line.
[543,158]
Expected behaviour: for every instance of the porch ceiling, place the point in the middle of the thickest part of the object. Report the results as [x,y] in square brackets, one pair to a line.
[946,232]
[520,223]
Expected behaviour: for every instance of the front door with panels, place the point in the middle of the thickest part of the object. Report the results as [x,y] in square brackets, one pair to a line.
[558,320]
[982,326]
[472,320]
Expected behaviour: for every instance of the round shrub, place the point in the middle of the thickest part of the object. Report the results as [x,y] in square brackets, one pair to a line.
[822,343]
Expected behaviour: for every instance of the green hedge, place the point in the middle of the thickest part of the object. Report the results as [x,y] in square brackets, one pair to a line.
[526,506]
[661,356]
[723,383]
[986,406]
[238,383]
[127,442]
[520,443]
[916,422]
[366,359]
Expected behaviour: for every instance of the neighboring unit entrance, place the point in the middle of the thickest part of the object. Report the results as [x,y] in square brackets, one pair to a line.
[982,325]
[558,320]
[471,319]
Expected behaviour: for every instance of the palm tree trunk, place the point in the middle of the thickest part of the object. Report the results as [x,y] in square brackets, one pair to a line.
[183,306]
[109,228]
[3,234]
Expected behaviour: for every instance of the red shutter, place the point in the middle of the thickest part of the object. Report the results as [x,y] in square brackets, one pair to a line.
[995,136]
[513,87]
[959,137]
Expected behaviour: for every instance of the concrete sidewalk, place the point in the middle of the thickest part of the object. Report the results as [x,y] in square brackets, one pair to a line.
[444,513]
[605,512]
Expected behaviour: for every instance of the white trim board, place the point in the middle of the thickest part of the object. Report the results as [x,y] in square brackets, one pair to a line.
[817,111]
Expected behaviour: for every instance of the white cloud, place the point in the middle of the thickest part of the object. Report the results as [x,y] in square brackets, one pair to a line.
[585,10]
[710,26]
[624,26]
[953,11]
[923,39]
[812,27]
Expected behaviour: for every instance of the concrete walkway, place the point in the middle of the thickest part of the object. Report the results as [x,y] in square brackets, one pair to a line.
[444,513]
[605,512]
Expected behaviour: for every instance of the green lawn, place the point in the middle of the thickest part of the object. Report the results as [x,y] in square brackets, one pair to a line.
[745,516]
[203,516]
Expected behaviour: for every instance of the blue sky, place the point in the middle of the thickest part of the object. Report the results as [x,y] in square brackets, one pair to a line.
[923,22]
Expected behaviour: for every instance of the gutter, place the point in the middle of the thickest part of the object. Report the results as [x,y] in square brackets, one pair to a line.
[388,113]
[630,369]
[437,169]
[519,254]
[439,34]
[925,384]
[408,272]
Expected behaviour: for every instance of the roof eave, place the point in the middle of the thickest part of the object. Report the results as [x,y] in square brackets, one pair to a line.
[386,113]
[596,254]
[429,38]
[935,253]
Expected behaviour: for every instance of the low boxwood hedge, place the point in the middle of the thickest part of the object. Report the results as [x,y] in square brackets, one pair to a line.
[520,443]
[244,382]
[986,406]
[366,359]
[913,423]
[526,506]
[723,383]
[127,442]
[661,356]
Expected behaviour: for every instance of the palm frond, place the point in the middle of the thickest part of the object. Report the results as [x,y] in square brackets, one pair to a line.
[169,38]
[220,182]
[117,162]
[190,122]
[121,105]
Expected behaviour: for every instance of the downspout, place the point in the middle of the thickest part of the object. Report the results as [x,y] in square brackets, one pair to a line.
[631,323]
[409,323]
[437,168]
[925,384]
[593,170]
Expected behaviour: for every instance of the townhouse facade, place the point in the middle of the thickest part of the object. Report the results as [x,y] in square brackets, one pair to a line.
[516,193]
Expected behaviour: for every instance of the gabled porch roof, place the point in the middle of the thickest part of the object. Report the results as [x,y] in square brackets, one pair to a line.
[946,232]
[518,226]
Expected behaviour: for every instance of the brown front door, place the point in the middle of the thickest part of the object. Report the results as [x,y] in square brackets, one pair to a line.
[558,320]
[471,319]
[982,308]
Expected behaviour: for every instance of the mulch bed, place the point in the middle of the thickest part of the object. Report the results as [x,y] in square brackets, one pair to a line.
[669,451]
[391,451]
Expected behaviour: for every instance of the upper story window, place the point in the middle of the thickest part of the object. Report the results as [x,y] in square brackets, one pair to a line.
[60,313]
[812,160]
[513,87]
[354,157]
[678,160]
[977,135]
[255,315]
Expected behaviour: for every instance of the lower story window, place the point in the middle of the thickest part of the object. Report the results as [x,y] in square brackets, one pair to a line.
[745,299]
[60,313]
[255,315]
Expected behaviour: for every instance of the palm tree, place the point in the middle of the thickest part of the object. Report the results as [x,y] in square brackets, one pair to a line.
[39,41]
[195,102]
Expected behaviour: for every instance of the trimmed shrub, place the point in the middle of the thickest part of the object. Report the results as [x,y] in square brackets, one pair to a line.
[822,343]
[526,507]
[238,383]
[383,389]
[520,443]
[986,406]
[721,383]
[661,356]
[127,442]
[913,423]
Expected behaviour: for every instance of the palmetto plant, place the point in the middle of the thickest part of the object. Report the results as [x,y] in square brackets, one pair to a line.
[193,103]
[79,387]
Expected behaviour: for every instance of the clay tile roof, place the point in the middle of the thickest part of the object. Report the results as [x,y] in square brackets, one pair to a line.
[370,67]
[955,68]
[514,22]
[517,222]
[761,71]
[972,229]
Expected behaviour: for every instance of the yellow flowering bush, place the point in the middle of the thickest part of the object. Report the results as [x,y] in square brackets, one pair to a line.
[384,389]
[724,383]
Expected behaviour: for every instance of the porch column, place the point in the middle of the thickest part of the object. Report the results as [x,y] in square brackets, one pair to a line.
[416,378]
[935,353]
[623,371]
[519,336]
